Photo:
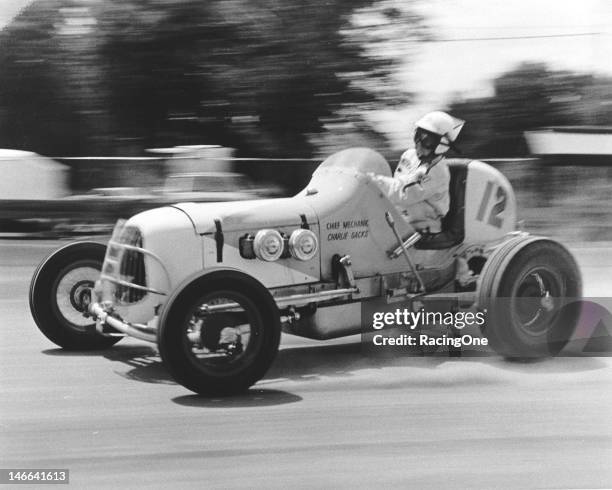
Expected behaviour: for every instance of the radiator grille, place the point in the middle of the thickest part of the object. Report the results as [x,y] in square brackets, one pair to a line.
[131,267]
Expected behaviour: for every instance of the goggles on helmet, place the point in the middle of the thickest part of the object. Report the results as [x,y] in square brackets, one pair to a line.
[426,139]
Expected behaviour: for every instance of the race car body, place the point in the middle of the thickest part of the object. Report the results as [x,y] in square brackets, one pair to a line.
[213,283]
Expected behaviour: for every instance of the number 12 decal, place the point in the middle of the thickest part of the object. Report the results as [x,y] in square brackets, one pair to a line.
[498,207]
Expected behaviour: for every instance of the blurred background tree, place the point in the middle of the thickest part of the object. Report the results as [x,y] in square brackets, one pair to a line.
[528,97]
[36,110]
[269,78]
[272,79]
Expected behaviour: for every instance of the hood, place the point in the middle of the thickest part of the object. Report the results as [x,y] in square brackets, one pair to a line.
[248,215]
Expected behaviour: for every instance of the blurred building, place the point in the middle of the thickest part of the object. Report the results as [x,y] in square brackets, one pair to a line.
[27,175]
[195,158]
[576,145]
[147,171]
[94,172]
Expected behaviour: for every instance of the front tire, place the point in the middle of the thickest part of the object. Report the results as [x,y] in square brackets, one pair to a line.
[530,290]
[219,353]
[60,292]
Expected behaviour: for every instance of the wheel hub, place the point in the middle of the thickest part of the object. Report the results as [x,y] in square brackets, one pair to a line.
[80,295]
[547,302]
[534,301]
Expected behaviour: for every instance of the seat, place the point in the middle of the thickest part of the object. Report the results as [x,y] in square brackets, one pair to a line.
[453,224]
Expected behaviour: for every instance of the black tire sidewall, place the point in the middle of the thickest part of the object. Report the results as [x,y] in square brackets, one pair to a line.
[504,334]
[173,348]
[42,296]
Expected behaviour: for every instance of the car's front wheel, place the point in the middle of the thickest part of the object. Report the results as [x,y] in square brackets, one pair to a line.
[219,333]
[60,292]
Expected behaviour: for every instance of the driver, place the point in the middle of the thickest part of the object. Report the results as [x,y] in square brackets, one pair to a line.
[419,186]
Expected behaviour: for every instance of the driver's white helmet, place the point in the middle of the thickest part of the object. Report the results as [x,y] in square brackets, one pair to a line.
[443,125]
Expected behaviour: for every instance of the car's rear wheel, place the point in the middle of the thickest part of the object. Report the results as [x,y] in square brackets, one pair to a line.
[219,334]
[60,292]
[530,289]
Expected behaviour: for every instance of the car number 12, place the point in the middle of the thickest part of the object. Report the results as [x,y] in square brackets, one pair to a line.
[494,218]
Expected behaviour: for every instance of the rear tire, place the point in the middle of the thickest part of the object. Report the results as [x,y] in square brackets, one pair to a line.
[530,288]
[60,290]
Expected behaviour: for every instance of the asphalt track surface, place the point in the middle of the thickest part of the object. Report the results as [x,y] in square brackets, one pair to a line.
[325,416]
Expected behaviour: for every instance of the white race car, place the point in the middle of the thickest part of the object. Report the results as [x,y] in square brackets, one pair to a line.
[213,284]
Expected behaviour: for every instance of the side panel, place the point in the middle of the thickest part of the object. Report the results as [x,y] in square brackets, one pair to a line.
[282,272]
[490,207]
[351,213]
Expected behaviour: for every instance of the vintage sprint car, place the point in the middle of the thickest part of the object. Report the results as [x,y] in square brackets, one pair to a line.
[213,284]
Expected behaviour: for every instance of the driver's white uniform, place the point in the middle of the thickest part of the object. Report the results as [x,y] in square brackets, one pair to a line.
[419,191]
